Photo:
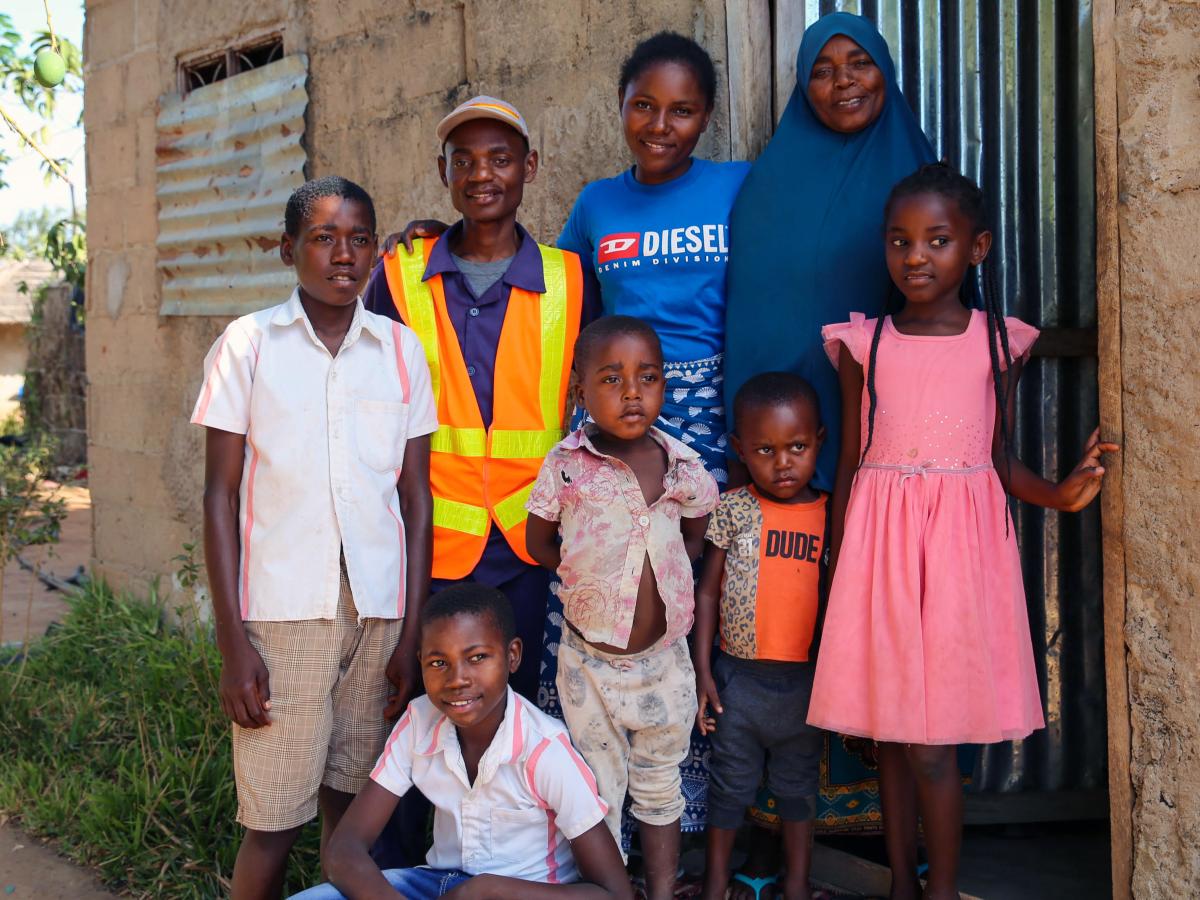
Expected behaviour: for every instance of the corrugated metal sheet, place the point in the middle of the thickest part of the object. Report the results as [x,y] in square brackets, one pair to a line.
[1004,91]
[229,154]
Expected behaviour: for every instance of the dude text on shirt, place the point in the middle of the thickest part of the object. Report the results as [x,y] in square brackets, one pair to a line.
[793,545]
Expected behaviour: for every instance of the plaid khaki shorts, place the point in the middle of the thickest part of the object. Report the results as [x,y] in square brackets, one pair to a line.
[328,690]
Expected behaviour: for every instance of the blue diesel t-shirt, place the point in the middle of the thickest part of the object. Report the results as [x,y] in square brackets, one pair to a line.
[660,251]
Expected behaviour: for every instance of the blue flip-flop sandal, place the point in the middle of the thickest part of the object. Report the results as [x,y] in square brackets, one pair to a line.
[756,884]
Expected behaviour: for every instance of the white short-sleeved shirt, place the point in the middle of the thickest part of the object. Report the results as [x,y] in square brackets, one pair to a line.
[533,793]
[325,439]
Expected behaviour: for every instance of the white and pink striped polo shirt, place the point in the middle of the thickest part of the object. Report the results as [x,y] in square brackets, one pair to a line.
[532,795]
[325,439]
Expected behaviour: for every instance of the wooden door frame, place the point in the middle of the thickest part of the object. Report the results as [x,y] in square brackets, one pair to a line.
[1112,498]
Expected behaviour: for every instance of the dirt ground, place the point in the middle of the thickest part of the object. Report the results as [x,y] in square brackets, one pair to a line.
[30,606]
[30,869]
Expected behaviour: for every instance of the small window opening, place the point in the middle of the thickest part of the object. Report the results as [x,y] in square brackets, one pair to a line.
[233,61]
[207,72]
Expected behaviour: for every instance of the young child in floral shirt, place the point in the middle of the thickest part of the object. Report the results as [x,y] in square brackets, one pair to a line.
[631,504]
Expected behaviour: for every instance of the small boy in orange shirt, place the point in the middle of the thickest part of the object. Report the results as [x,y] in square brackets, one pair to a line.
[761,582]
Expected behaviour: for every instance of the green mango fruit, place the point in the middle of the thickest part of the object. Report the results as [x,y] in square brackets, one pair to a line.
[49,68]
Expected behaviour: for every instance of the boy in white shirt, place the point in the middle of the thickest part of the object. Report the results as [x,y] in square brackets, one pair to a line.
[317,529]
[517,812]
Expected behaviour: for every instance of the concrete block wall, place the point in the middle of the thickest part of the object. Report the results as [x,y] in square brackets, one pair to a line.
[381,74]
[125,341]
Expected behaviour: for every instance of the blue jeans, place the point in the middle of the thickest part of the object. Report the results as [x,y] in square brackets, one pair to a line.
[422,883]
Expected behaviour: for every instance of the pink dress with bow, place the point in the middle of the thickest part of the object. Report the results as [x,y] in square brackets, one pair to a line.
[926,638]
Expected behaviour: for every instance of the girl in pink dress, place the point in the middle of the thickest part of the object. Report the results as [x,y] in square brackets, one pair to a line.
[926,642]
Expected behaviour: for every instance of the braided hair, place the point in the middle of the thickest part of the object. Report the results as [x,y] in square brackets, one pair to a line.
[942,180]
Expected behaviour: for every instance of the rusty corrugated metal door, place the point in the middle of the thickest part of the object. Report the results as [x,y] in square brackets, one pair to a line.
[229,155]
[1004,92]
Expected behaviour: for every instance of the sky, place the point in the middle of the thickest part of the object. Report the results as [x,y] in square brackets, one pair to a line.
[27,190]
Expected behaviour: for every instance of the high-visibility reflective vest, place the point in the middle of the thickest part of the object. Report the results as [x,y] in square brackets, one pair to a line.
[479,476]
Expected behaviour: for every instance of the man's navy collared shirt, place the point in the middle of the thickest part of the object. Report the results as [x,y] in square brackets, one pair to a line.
[477,322]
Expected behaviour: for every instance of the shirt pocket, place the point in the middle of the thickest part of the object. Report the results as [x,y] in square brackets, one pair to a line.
[381,427]
[517,832]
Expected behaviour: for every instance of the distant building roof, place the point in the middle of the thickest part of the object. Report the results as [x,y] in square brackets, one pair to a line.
[14,306]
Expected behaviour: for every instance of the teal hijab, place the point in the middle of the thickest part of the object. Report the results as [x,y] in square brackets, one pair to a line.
[807,232]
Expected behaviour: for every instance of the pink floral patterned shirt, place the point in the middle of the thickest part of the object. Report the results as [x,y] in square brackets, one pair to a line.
[608,530]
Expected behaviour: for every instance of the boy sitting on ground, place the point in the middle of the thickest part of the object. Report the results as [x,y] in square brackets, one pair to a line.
[517,811]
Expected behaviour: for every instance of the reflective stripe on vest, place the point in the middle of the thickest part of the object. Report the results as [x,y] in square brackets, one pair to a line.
[459,441]
[459,516]
[511,510]
[554,330]
[506,444]
[421,316]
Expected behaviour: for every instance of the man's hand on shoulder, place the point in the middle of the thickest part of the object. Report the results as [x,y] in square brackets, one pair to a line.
[417,228]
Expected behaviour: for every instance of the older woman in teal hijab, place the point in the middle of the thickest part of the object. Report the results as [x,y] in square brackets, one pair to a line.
[806,232]
[807,224]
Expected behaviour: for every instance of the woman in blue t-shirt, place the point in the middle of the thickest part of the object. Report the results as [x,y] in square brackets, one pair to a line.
[656,237]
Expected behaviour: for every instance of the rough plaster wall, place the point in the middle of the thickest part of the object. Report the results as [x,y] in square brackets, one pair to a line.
[381,75]
[1158,47]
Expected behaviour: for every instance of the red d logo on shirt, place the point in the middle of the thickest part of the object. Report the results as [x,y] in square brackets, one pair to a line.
[618,246]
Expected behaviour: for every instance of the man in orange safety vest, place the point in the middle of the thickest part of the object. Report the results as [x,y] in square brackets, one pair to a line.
[497,314]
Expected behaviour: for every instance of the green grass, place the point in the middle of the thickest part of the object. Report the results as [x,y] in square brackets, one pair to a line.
[114,745]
